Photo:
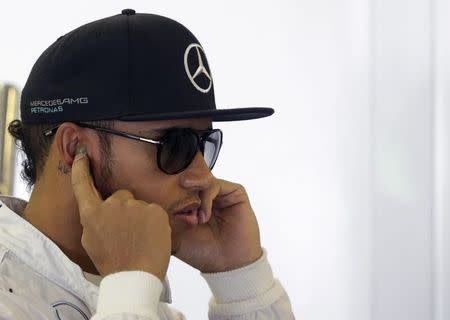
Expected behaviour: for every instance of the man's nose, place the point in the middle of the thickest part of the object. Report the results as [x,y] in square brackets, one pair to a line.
[197,175]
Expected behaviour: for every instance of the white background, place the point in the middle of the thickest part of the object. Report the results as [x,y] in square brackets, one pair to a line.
[349,178]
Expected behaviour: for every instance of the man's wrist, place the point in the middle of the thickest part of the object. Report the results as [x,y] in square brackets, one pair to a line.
[242,283]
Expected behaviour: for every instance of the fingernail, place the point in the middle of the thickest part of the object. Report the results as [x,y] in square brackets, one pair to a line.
[80,151]
[202,216]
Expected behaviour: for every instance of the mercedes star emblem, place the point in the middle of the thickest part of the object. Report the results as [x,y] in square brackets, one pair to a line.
[201,69]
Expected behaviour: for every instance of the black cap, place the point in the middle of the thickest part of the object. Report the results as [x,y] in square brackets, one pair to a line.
[127,67]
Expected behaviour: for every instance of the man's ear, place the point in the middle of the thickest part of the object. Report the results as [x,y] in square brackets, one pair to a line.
[67,138]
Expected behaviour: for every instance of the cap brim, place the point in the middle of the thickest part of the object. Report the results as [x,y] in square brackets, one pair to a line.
[236,114]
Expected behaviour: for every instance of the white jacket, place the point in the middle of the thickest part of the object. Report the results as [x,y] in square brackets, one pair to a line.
[38,281]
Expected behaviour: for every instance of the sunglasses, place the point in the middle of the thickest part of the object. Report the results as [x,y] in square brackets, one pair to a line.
[177,147]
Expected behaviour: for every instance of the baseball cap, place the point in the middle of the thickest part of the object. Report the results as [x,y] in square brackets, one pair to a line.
[130,67]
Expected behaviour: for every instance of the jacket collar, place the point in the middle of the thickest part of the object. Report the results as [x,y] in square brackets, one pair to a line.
[45,257]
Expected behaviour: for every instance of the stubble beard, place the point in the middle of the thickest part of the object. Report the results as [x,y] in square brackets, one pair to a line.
[104,181]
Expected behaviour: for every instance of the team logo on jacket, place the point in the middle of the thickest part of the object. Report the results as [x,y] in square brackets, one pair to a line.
[67,310]
[195,68]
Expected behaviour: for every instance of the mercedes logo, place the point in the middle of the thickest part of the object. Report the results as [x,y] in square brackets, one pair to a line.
[201,69]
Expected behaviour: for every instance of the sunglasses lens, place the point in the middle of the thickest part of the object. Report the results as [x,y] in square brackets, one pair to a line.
[211,147]
[178,148]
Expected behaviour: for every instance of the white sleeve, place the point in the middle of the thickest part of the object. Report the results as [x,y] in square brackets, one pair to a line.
[128,295]
[250,292]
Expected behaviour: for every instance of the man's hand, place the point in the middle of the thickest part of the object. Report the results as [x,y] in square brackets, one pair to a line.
[120,233]
[229,236]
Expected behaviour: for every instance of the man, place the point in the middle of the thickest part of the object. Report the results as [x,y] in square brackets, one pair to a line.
[117,129]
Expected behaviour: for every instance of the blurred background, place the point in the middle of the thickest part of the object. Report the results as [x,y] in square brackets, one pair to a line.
[350,178]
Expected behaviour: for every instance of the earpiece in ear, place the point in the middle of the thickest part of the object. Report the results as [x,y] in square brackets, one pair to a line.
[81,149]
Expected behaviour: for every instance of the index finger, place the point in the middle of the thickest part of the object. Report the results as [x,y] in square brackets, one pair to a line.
[85,192]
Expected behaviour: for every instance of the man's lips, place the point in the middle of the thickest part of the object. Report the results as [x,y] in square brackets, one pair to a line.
[189,214]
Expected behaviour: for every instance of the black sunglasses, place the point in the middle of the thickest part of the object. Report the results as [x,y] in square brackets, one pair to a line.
[176,148]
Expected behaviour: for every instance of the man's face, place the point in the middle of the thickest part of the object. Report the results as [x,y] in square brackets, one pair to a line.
[132,165]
